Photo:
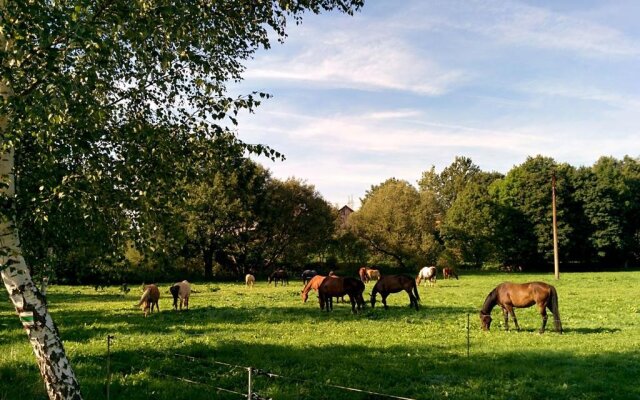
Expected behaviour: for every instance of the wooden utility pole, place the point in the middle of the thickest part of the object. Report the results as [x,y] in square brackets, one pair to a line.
[556,262]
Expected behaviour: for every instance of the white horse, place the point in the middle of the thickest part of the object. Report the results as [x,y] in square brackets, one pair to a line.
[427,274]
[181,291]
[249,280]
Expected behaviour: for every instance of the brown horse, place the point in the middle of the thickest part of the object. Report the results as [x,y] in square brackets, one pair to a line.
[393,284]
[521,295]
[338,286]
[279,275]
[314,283]
[149,298]
[447,273]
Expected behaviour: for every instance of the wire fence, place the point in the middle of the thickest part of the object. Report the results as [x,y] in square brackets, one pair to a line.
[252,373]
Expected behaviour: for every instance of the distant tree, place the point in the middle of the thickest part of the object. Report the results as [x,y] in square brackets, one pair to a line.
[524,200]
[296,224]
[469,226]
[396,221]
[220,212]
[608,193]
[449,183]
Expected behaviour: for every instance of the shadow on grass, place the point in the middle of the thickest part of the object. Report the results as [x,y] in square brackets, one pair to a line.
[309,372]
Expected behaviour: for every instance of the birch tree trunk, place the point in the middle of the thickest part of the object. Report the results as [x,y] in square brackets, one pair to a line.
[59,379]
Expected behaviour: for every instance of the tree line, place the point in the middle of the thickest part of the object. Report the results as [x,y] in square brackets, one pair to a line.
[232,217]
[464,216]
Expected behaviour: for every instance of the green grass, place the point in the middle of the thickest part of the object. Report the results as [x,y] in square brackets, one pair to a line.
[399,351]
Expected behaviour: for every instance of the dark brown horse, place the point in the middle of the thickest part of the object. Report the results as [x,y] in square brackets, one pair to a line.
[393,284]
[447,273]
[307,274]
[279,275]
[521,295]
[335,286]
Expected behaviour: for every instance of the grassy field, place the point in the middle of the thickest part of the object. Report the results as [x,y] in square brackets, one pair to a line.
[420,355]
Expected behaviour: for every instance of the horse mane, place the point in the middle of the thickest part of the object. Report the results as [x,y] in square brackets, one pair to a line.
[490,302]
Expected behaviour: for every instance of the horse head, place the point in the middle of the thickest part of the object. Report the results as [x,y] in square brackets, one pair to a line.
[485,320]
[305,296]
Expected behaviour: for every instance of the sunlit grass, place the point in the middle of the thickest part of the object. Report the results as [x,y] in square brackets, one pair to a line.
[398,351]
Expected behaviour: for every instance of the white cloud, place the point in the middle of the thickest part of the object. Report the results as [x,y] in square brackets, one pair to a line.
[349,59]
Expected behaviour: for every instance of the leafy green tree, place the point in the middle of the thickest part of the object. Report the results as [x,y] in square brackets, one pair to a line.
[218,215]
[85,84]
[469,226]
[398,222]
[296,224]
[524,200]
[608,193]
[449,183]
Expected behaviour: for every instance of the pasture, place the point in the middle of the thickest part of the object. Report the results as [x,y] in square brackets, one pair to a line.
[415,354]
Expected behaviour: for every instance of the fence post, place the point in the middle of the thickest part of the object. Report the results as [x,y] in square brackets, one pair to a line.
[468,333]
[249,384]
[109,338]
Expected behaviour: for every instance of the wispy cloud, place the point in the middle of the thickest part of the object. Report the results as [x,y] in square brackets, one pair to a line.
[348,59]
[581,92]
[513,22]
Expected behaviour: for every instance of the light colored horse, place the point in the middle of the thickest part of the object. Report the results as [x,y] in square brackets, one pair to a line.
[150,296]
[428,274]
[249,280]
[182,291]
[362,272]
[373,274]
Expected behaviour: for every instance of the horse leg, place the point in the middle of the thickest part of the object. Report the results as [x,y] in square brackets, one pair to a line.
[505,313]
[515,320]
[384,300]
[543,313]
[353,303]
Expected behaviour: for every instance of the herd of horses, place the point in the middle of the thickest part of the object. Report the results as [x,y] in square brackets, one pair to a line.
[506,295]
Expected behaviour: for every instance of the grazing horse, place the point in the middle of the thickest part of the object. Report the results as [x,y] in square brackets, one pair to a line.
[428,274]
[373,274]
[307,275]
[182,291]
[393,284]
[149,298]
[338,286]
[447,273]
[521,295]
[362,272]
[249,280]
[279,275]
[314,283]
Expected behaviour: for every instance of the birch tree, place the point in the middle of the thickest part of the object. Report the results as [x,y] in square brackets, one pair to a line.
[125,93]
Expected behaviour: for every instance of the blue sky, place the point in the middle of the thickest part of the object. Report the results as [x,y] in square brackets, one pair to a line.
[404,85]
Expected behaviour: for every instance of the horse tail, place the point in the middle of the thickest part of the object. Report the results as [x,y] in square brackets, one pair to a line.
[553,306]
[415,291]
[145,296]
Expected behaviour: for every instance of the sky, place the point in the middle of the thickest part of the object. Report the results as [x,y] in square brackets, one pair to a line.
[405,85]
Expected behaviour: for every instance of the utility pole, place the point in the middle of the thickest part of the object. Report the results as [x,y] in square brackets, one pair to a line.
[556,262]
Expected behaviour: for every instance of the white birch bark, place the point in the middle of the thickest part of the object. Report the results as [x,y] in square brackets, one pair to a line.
[59,378]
